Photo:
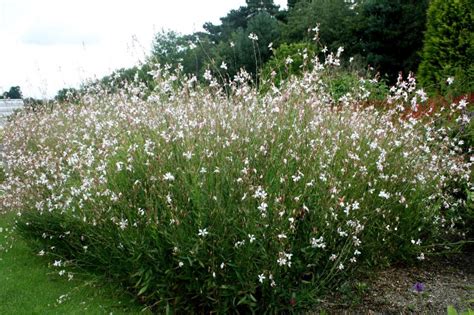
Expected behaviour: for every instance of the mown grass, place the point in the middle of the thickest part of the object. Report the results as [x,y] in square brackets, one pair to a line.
[29,286]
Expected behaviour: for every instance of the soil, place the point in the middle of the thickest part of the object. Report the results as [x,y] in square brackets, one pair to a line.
[446,281]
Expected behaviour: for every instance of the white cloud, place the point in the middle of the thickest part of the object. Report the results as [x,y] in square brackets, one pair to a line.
[51,44]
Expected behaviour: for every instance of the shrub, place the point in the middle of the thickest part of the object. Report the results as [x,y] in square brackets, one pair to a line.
[287,60]
[449,43]
[293,60]
[201,200]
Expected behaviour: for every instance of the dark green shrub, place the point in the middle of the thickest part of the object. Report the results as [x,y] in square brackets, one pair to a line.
[448,44]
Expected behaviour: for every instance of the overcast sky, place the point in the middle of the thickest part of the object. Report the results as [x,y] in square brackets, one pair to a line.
[50,44]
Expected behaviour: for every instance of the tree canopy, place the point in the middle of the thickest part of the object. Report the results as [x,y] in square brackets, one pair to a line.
[13,93]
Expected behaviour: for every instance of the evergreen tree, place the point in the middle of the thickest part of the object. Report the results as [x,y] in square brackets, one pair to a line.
[247,53]
[194,52]
[292,3]
[335,18]
[240,18]
[256,6]
[390,34]
[449,42]
[234,20]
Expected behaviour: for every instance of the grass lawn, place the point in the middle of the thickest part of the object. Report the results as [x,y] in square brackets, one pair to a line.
[29,286]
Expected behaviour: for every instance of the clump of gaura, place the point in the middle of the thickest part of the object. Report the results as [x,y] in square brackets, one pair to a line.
[214,197]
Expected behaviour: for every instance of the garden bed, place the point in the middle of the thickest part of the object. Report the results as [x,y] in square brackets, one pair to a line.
[445,281]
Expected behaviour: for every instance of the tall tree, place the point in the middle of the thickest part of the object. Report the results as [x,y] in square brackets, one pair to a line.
[390,33]
[335,18]
[240,18]
[449,42]
[291,3]
[250,51]
[13,93]
[256,6]
[234,20]
[194,52]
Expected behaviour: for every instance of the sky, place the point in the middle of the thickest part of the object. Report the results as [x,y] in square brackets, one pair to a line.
[47,45]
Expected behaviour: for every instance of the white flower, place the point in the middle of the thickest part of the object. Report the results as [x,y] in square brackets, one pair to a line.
[462,104]
[223,65]
[296,178]
[280,236]
[318,242]
[284,259]
[261,277]
[355,205]
[119,166]
[62,298]
[339,51]
[263,207]
[188,155]
[123,224]
[168,176]
[203,232]
[356,241]
[232,44]
[450,80]
[251,238]
[239,244]
[260,193]
[57,263]
[384,194]
[208,75]
[253,36]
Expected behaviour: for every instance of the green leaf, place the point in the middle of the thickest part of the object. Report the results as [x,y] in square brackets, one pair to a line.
[452,310]
[143,290]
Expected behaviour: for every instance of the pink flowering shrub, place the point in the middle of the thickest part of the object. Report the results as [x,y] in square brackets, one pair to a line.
[218,198]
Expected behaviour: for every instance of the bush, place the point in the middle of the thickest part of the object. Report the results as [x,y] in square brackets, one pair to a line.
[287,60]
[201,200]
[342,85]
[449,44]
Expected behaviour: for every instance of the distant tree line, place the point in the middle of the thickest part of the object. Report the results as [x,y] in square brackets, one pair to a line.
[387,35]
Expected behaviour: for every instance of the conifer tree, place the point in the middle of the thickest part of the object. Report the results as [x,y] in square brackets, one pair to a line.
[449,42]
